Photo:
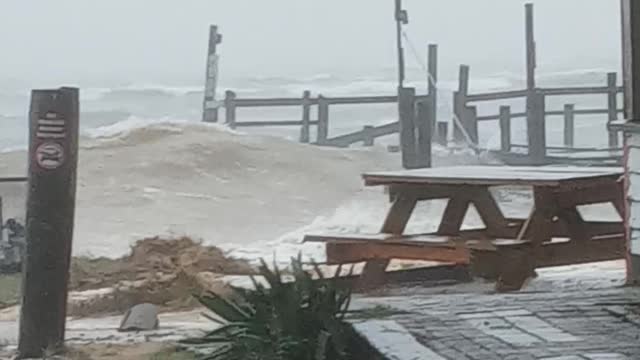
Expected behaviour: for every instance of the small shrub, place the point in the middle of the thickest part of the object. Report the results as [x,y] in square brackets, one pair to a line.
[299,320]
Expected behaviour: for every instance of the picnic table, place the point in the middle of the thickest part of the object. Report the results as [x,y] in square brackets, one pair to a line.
[508,249]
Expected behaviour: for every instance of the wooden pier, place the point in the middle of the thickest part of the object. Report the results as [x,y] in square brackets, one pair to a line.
[464,127]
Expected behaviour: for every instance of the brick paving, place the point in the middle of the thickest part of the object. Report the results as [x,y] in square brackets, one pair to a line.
[575,323]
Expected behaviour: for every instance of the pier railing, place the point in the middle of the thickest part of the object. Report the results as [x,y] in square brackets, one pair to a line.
[536,115]
[315,112]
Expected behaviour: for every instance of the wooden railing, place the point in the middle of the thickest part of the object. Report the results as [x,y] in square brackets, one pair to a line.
[322,104]
[465,109]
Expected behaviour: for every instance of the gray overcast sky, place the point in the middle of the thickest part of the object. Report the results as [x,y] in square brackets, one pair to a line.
[163,40]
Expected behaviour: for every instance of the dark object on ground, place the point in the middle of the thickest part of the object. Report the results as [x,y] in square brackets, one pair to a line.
[143,317]
[12,248]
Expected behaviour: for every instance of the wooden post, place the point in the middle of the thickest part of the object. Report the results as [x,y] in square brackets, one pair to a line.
[306,117]
[631,61]
[433,84]
[230,109]
[210,105]
[460,103]
[442,133]
[471,123]
[569,129]
[367,134]
[323,120]
[531,48]
[406,105]
[1,222]
[536,128]
[425,134]
[505,129]
[53,157]
[612,101]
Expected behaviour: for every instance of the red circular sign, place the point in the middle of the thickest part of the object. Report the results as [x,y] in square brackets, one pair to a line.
[50,155]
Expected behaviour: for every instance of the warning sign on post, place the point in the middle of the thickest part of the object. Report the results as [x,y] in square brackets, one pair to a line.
[50,155]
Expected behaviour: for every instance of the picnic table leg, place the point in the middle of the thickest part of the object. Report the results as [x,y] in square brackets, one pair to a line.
[453,216]
[490,212]
[519,261]
[373,274]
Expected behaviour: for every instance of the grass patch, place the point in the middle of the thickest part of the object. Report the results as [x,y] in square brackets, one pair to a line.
[10,289]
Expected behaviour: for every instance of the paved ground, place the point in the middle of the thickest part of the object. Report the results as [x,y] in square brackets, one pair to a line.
[580,320]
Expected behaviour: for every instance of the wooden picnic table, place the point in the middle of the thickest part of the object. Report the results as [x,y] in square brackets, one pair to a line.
[505,244]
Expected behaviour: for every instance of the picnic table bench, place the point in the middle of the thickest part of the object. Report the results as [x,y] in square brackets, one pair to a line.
[507,249]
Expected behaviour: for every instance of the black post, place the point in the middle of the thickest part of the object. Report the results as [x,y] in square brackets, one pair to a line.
[505,129]
[406,102]
[210,105]
[306,117]
[425,135]
[53,158]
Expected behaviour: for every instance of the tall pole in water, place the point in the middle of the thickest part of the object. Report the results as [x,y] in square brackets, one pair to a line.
[210,105]
[531,49]
[402,18]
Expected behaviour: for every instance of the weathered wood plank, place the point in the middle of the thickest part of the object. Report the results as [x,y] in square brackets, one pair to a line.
[496,176]
[379,254]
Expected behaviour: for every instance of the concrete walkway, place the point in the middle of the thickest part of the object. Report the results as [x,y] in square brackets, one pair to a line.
[585,316]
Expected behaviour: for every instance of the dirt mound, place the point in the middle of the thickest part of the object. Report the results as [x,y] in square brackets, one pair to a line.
[152,258]
[164,272]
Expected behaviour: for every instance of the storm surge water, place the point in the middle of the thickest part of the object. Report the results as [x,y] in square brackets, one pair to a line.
[148,167]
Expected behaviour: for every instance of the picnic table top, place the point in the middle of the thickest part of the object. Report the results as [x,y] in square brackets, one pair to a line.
[493,175]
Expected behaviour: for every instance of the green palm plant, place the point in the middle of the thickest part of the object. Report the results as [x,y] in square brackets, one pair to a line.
[298,320]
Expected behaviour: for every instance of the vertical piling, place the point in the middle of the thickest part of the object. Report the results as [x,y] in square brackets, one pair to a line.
[53,157]
[210,105]
[425,134]
[442,131]
[306,117]
[433,84]
[505,129]
[406,105]
[230,109]
[569,127]
[612,106]
[367,135]
[536,128]
[530,47]
[460,104]
[323,120]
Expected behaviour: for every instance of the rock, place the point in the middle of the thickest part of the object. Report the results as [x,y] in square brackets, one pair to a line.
[141,317]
